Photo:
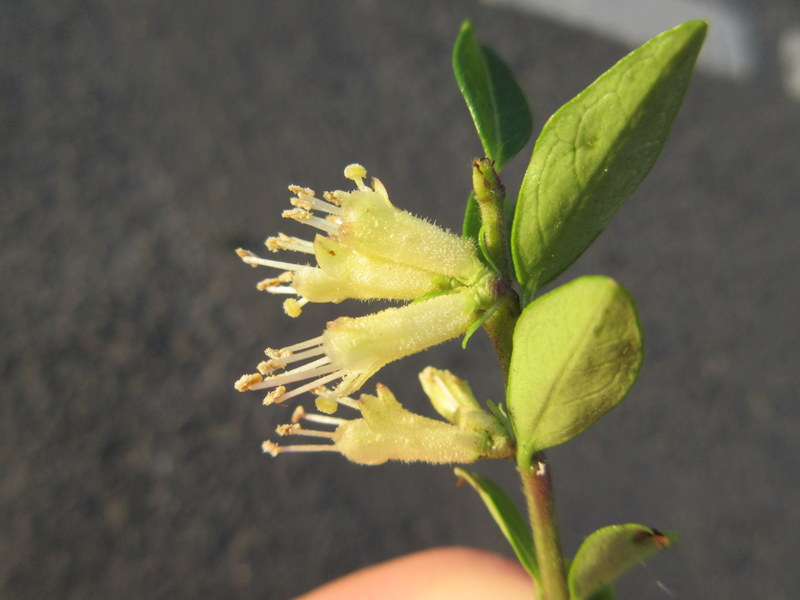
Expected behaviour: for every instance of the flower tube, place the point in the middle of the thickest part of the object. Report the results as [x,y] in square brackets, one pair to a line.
[351,350]
[387,431]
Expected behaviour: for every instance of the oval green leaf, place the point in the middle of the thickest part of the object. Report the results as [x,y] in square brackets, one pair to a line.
[497,104]
[507,516]
[577,351]
[609,552]
[595,150]
[493,96]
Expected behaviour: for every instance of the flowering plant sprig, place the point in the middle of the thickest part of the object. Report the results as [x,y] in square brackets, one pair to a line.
[569,356]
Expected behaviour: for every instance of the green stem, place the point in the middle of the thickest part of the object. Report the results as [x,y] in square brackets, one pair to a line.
[489,195]
[538,489]
[500,326]
[535,474]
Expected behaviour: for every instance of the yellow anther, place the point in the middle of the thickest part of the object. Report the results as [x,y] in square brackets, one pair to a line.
[245,381]
[273,396]
[270,448]
[298,214]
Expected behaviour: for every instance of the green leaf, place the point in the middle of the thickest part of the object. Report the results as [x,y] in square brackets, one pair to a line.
[595,150]
[497,104]
[604,593]
[577,351]
[471,226]
[608,553]
[495,100]
[507,517]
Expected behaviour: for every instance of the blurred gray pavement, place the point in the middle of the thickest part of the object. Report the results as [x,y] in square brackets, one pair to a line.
[140,142]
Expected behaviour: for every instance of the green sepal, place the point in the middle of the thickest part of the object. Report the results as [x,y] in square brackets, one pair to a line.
[577,352]
[499,413]
[507,516]
[608,553]
[478,323]
[595,150]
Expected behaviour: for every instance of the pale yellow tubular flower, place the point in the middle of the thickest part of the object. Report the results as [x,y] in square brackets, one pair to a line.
[370,222]
[398,235]
[344,273]
[452,398]
[387,431]
[351,350]
[449,395]
[367,249]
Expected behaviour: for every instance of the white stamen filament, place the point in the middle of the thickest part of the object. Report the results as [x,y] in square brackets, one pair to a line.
[305,217]
[323,419]
[289,350]
[297,429]
[310,202]
[313,365]
[253,260]
[317,367]
[279,289]
[278,363]
[310,386]
[274,449]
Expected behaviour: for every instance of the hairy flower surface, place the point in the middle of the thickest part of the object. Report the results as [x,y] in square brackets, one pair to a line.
[366,249]
[353,349]
[387,431]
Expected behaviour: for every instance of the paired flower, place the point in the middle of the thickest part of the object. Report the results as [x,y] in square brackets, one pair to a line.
[366,248]
[387,431]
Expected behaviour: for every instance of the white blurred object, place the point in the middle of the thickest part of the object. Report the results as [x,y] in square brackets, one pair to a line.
[728,51]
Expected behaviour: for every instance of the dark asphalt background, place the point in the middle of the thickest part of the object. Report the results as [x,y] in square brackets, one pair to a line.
[140,142]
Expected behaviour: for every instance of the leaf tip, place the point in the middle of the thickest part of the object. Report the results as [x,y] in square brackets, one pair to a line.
[652,535]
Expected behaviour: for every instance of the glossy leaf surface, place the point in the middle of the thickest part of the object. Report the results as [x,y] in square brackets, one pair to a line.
[595,150]
[608,553]
[496,103]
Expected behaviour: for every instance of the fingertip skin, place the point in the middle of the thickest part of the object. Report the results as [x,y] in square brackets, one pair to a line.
[435,574]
